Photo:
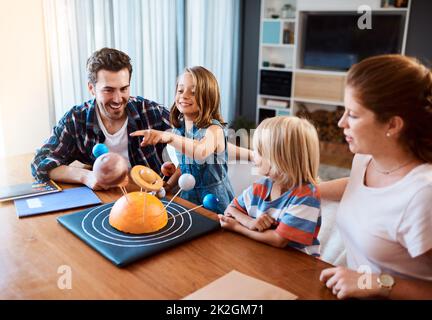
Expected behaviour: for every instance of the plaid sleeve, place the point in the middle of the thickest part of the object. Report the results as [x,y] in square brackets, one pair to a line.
[166,124]
[58,150]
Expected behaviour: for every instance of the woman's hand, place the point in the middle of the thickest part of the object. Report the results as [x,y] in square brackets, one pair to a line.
[262,223]
[346,283]
[152,136]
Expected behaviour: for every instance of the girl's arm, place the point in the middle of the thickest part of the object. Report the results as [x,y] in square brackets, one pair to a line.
[268,237]
[334,189]
[239,153]
[213,141]
[260,224]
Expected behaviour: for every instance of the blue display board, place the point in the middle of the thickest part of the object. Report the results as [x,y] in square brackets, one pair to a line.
[120,248]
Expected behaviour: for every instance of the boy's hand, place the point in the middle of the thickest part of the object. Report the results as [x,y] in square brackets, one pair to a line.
[262,223]
[227,222]
[152,136]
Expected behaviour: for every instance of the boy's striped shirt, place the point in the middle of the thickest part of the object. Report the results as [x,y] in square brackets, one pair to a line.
[297,212]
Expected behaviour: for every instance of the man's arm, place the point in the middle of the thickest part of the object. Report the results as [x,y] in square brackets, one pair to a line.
[53,158]
[71,174]
[55,151]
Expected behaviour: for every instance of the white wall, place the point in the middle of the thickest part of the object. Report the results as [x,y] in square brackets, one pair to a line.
[24,99]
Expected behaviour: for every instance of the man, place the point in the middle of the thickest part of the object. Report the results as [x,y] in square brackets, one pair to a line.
[109,118]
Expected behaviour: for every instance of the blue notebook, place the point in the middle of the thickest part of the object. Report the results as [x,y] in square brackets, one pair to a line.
[66,199]
[92,226]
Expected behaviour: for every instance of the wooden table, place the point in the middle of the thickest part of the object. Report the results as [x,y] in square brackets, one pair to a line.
[32,249]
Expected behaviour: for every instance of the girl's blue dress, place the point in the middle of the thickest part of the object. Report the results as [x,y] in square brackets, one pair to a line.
[211,174]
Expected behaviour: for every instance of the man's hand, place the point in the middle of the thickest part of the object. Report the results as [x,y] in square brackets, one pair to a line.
[89,179]
[152,136]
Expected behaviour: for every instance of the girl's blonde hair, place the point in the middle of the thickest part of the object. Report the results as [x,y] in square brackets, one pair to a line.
[291,146]
[207,97]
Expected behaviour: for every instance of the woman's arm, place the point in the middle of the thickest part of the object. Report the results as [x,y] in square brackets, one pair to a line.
[344,283]
[213,141]
[269,236]
[334,189]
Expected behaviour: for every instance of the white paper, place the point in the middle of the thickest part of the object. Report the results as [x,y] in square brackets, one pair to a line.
[34,203]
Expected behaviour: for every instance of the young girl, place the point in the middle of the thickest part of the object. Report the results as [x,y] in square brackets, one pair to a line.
[284,207]
[198,136]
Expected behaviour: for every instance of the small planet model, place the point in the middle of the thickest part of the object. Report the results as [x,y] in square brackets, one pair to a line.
[168,169]
[161,193]
[186,182]
[99,149]
[137,213]
[110,169]
[210,202]
[146,178]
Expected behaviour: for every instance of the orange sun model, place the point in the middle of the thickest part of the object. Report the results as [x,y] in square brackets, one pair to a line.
[140,212]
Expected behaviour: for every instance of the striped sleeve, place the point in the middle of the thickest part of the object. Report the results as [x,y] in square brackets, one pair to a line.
[249,201]
[300,221]
[239,202]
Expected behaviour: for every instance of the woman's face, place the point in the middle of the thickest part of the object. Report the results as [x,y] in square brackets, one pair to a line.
[185,96]
[363,132]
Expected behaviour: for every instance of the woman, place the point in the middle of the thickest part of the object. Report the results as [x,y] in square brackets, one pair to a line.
[385,212]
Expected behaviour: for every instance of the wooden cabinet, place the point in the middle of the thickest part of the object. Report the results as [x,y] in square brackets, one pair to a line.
[319,87]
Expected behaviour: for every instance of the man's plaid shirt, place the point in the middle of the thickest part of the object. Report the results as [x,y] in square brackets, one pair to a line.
[74,137]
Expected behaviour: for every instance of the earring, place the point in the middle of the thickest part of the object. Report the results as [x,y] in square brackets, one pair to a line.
[388,134]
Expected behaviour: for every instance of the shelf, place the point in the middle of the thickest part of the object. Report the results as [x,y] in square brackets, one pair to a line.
[277,69]
[266,96]
[285,46]
[390,9]
[280,19]
[331,103]
[273,108]
[327,72]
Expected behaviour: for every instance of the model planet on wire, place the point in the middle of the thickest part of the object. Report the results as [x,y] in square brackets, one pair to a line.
[168,169]
[210,202]
[110,169]
[186,182]
[99,149]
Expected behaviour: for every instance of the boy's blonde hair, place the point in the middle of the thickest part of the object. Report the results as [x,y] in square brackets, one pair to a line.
[291,146]
[207,97]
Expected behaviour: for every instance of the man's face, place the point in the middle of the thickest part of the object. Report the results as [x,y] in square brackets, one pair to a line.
[112,93]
